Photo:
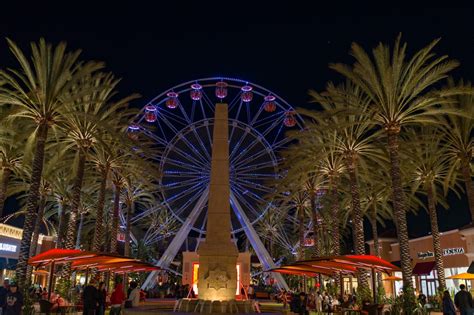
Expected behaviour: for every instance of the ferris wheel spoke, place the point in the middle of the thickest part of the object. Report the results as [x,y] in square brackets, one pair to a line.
[268,119]
[201,143]
[190,157]
[182,164]
[251,145]
[191,168]
[185,114]
[208,102]
[255,117]
[249,192]
[153,136]
[254,167]
[245,175]
[184,192]
[182,183]
[271,127]
[254,185]
[145,213]
[193,149]
[237,145]
[253,158]
[242,200]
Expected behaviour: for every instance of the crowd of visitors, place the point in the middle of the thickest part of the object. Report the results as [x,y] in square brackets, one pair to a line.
[303,303]
[11,299]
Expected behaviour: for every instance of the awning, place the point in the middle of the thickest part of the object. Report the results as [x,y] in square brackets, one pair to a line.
[423,268]
[471,268]
[462,276]
[354,261]
[81,260]
[59,256]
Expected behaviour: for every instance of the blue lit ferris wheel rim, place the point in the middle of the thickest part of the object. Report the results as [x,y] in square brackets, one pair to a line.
[179,127]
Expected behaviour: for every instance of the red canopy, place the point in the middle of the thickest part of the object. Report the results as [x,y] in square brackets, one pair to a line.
[59,256]
[423,268]
[83,260]
[355,261]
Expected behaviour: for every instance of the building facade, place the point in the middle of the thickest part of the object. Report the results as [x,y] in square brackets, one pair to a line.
[10,239]
[458,253]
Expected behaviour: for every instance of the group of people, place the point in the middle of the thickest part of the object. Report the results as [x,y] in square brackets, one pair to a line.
[316,301]
[95,298]
[11,299]
[462,301]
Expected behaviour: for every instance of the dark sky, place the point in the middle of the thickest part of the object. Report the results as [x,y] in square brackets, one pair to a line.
[154,45]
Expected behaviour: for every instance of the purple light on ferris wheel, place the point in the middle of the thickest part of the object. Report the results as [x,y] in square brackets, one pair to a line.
[221,89]
[196,92]
[247,94]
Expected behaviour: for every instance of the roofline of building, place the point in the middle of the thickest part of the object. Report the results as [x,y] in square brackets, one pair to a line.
[428,236]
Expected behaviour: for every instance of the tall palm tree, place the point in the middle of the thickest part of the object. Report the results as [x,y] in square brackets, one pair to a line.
[427,161]
[87,121]
[400,94]
[37,92]
[12,150]
[458,130]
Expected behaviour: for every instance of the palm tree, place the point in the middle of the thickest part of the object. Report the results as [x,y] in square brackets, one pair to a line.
[428,163]
[37,92]
[87,121]
[399,94]
[12,146]
[459,141]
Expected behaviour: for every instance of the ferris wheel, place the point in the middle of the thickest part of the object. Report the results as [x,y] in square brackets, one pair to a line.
[180,122]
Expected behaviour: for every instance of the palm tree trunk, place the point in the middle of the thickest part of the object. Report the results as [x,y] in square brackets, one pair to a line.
[375,237]
[399,207]
[335,215]
[436,237]
[79,231]
[31,204]
[128,228]
[466,175]
[357,221]
[115,219]
[75,202]
[316,227]
[61,223]
[99,221]
[3,188]
[301,232]
[36,230]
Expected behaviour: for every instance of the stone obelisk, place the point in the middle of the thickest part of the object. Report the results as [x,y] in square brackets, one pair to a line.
[217,279]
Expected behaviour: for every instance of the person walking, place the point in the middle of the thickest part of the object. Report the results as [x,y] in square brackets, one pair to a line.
[448,305]
[463,301]
[102,296]
[134,295]
[3,294]
[117,299]
[300,304]
[14,301]
[90,296]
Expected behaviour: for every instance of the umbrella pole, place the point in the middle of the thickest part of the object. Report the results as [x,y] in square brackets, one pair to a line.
[341,281]
[374,283]
[51,276]
[86,281]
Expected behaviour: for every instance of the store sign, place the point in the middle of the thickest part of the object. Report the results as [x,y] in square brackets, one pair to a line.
[7,247]
[424,255]
[446,252]
[453,251]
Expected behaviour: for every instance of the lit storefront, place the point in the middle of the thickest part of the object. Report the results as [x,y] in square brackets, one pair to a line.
[458,252]
[191,269]
[10,239]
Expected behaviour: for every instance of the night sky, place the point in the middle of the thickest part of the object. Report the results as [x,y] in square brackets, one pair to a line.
[283,48]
